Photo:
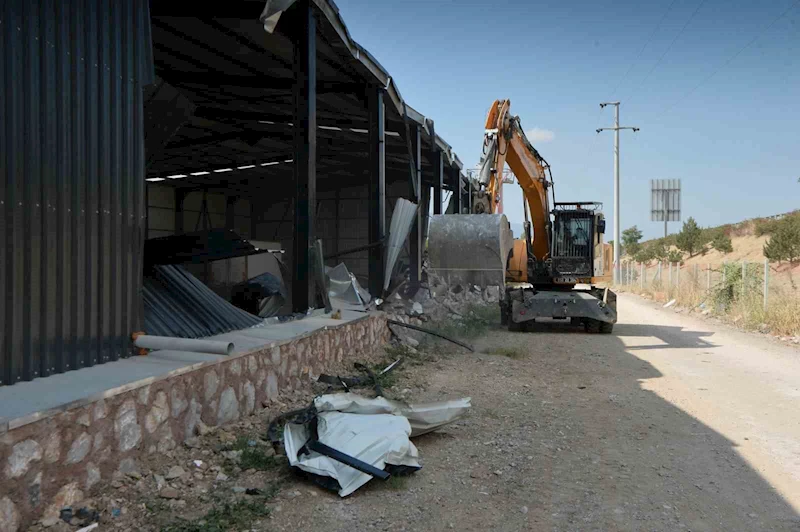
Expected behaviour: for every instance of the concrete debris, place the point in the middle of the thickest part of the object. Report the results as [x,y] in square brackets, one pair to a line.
[174,472]
[169,493]
[233,456]
[669,303]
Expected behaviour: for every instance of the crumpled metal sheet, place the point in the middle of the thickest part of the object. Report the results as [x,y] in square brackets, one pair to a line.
[374,430]
[343,285]
[423,417]
[403,218]
[272,13]
[375,439]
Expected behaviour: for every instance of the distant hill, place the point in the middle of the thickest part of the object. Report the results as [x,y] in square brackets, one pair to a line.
[748,238]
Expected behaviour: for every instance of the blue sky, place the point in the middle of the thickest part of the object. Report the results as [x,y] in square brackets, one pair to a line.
[734,138]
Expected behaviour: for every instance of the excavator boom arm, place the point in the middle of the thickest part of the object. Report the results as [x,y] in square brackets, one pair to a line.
[505,143]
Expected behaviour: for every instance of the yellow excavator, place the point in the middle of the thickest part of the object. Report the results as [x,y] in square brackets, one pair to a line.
[553,269]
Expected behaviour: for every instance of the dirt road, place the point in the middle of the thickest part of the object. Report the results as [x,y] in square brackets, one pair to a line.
[671,423]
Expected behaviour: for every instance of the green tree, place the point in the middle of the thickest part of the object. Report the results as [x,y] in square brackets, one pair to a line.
[645,254]
[722,243]
[630,240]
[674,256]
[658,250]
[784,244]
[689,238]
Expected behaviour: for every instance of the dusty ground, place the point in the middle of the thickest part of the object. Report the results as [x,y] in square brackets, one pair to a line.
[671,423]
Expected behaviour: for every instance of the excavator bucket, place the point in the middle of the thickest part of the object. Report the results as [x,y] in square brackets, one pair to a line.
[469,249]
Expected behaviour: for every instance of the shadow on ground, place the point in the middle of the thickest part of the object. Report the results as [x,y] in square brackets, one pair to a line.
[609,454]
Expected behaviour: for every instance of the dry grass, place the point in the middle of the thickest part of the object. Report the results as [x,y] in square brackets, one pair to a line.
[781,317]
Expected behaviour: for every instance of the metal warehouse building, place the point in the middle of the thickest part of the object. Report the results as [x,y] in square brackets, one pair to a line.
[123,121]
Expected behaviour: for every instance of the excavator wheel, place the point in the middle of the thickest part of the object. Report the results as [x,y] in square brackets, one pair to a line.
[598,327]
[513,326]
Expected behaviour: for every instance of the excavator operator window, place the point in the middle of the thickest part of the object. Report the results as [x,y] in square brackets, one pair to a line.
[572,250]
[573,235]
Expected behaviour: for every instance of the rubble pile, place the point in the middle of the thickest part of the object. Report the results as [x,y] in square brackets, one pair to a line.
[435,301]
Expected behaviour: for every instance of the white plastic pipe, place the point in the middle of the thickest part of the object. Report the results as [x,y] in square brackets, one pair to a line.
[147,341]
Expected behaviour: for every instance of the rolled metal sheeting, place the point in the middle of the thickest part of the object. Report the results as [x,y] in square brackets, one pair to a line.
[177,304]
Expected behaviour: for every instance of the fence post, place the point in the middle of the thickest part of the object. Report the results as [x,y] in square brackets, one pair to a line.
[724,268]
[678,275]
[641,274]
[708,277]
[744,273]
[696,280]
[766,282]
[670,275]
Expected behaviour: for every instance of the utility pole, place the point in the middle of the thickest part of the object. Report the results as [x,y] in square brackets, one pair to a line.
[616,130]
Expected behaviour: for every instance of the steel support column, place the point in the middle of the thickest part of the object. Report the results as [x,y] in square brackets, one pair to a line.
[377,189]
[457,198]
[305,155]
[438,179]
[180,197]
[415,238]
[230,213]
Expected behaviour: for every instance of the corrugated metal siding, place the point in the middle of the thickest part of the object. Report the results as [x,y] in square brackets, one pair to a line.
[72,196]
[176,303]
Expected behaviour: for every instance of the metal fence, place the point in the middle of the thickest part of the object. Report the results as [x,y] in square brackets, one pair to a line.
[708,283]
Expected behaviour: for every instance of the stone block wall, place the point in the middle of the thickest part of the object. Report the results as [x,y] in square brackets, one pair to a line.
[60,459]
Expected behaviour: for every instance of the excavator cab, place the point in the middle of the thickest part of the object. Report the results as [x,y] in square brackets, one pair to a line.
[576,240]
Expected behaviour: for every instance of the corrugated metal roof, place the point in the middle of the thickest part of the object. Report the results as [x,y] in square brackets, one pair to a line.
[177,304]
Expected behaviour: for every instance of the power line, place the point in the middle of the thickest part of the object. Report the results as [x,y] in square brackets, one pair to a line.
[730,59]
[650,38]
[686,24]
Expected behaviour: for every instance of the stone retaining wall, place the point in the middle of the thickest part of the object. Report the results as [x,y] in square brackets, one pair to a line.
[58,460]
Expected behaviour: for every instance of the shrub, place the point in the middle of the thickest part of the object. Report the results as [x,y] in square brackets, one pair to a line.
[765,226]
[784,245]
[722,244]
[675,256]
[730,288]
